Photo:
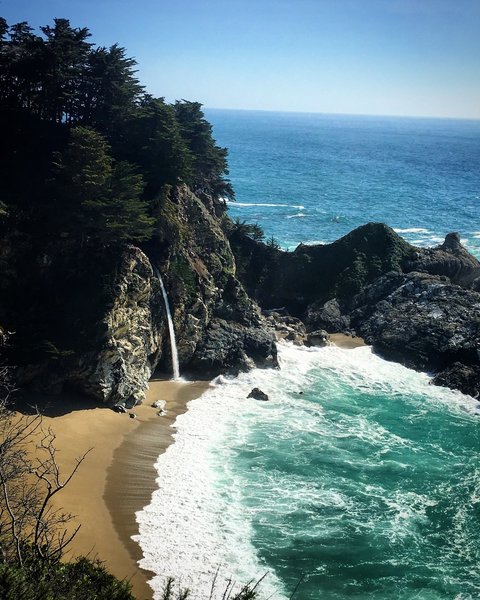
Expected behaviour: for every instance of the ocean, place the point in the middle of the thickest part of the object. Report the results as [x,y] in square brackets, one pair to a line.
[312,178]
[357,479]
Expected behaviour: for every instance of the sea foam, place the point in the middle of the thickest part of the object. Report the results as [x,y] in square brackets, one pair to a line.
[411,230]
[266,204]
[201,517]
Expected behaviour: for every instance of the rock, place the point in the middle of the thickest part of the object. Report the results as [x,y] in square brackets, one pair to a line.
[318,273]
[287,327]
[104,330]
[161,413]
[305,280]
[424,322]
[161,404]
[458,376]
[275,312]
[132,415]
[119,408]
[257,394]
[231,348]
[111,322]
[450,259]
[317,338]
[329,316]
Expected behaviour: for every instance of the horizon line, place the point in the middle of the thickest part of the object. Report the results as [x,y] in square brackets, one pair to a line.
[342,114]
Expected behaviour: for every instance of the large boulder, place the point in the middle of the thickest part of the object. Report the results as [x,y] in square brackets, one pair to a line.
[422,320]
[458,376]
[449,258]
[228,347]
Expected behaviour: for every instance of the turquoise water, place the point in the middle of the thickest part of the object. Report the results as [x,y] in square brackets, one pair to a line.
[377,492]
[312,177]
[357,477]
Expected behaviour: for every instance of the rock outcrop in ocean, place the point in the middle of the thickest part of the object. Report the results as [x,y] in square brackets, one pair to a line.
[417,306]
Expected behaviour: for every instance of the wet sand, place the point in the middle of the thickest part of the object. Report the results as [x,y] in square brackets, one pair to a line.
[117,477]
[346,341]
[131,478]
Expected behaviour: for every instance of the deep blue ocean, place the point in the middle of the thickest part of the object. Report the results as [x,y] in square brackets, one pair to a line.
[358,479]
[312,178]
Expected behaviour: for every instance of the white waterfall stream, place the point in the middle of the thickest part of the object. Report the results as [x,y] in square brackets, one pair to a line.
[171,330]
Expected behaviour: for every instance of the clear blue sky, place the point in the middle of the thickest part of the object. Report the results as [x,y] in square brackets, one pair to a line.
[394,57]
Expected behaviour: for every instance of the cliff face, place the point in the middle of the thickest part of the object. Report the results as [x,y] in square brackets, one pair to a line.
[318,273]
[425,322]
[219,328]
[95,322]
[93,318]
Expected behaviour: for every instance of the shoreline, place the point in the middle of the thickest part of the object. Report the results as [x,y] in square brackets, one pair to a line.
[133,473]
[348,342]
[118,475]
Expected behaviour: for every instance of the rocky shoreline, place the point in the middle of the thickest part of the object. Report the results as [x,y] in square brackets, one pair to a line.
[96,320]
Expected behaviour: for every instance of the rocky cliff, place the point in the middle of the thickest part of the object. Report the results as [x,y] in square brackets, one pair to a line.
[92,318]
[418,306]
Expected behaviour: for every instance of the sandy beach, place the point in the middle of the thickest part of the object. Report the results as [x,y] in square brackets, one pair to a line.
[118,476]
[346,341]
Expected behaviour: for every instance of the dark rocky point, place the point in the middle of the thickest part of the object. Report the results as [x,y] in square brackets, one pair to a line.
[257,394]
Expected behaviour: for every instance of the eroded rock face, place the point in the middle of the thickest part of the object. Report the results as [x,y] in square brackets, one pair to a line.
[219,328]
[228,347]
[423,320]
[110,353]
[458,376]
[450,259]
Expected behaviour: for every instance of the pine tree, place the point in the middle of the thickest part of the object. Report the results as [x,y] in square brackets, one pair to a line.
[96,198]
[154,142]
[209,160]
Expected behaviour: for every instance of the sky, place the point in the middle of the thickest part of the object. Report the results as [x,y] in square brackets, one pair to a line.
[376,57]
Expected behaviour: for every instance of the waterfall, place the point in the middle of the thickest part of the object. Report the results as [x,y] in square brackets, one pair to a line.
[171,330]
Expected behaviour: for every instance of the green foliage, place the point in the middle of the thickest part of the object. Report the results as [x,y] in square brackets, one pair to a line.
[80,580]
[168,226]
[273,244]
[155,143]
[96,197]
[354,277]
[181,270]
[110,92]
[98,150]
[251,230]
[209,160]
[247,592]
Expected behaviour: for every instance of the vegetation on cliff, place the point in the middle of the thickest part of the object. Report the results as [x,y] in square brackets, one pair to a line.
[98,150]
[117,181]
